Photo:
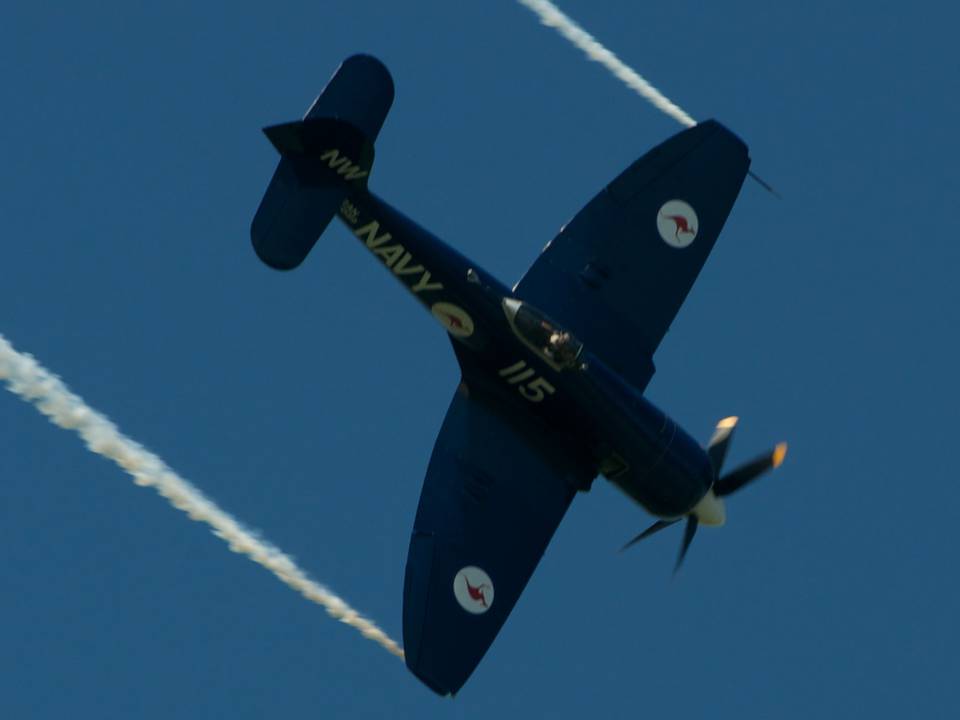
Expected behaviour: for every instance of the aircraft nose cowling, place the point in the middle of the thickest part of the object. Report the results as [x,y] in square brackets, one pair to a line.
[677,474]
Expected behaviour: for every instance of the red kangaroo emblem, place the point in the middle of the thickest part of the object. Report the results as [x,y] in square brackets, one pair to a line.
[682,225]
[454,320]
[476,593]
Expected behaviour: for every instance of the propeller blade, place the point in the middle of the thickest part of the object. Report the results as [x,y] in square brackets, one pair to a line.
[720,442]
[688,532]
[655,528]
[748,472]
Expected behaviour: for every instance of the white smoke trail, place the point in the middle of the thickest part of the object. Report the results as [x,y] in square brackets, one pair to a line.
[551,16]
[28,379]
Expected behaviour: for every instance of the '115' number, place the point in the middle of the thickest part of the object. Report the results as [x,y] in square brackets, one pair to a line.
[533,387]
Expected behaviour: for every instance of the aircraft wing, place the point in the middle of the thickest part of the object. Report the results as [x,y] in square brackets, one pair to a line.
[617,274]
[494,493]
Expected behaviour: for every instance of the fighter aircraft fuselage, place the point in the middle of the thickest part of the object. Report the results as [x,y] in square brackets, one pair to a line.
[611,424]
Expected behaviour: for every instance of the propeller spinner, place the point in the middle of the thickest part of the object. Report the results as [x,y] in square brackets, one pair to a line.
[710,509]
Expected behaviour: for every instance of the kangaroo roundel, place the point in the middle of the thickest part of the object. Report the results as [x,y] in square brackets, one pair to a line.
[455,319]
[473,589]
[677,223]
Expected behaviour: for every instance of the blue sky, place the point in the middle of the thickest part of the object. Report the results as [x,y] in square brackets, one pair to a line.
[307,403]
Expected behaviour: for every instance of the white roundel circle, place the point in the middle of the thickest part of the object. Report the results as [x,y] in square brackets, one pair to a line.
[455,319]
[677,223]
[473,589]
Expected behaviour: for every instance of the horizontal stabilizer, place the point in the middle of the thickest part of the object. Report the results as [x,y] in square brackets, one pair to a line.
[292,216]
[359,93]
[313,137]
[323,158]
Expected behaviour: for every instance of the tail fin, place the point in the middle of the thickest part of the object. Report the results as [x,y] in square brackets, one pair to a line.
[322,157]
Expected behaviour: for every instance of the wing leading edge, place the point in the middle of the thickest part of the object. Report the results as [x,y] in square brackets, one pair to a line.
[617,274]
[495,492]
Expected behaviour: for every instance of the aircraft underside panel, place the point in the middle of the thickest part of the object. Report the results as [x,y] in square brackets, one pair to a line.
[494,494]
[617,274]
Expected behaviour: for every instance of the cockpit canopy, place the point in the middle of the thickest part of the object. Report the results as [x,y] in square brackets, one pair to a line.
[551,342]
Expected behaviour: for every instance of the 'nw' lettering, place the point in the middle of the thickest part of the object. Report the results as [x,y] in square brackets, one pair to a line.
[343,165]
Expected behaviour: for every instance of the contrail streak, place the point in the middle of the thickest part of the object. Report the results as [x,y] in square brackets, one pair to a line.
[32,382]
[551,16]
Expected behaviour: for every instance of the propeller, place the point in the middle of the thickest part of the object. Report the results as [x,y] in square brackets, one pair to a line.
[748,472]
[710,510]
[652,530]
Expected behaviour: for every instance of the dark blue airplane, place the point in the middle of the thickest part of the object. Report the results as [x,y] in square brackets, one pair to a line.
[553,370]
